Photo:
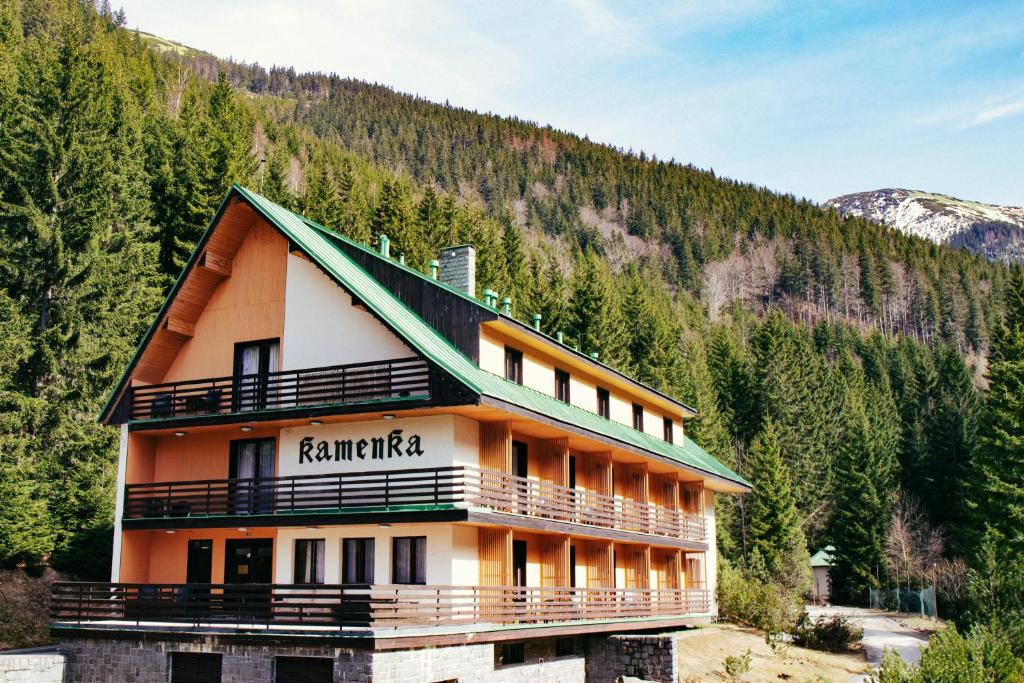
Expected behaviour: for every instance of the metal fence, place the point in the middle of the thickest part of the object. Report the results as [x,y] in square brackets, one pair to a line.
[905,600]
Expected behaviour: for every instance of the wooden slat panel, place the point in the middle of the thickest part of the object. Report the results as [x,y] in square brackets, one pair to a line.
[554,561]
[495,556]
[554,461]
[496,446]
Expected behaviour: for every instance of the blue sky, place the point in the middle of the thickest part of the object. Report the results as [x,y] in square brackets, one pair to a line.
[811,98]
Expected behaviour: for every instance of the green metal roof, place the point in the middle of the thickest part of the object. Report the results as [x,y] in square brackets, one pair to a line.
[336,236]
[823,558]
[437,349]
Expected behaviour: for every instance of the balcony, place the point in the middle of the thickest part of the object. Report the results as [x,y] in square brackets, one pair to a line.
[404,490]
[288,389]
[298,608]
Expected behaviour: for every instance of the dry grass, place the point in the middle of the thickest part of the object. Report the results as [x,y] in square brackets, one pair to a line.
[703,651]
[918,623]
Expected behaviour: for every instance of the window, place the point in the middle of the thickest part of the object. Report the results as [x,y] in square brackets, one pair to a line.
[667,421]
[303,670]
[565,647]
[604,403]
[255,362]
[409,559]
[511,653]
[194,667]
[513,365]
[357,560]
[562,386]
[309,561]
[638,417]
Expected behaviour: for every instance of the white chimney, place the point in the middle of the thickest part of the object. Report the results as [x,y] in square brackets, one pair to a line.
[458,268]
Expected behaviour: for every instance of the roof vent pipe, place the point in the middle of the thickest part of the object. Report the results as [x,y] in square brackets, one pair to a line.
[536,321]
[385,246]
[435,266]
[595,355]
[506,306]
[558,336]
[401,259]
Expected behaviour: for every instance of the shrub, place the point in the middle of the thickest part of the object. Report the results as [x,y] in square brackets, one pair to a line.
[983,655]
[736,666]
[748,597]
[832,634]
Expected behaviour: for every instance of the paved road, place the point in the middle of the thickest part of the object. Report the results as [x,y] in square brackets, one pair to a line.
[880,632]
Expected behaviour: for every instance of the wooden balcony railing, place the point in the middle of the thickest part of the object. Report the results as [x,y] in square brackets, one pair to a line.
[336,384]
[365,491]
[360,606]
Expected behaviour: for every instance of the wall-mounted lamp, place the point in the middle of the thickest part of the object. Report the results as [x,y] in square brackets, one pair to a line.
[179,433]
[170,531]
[316,423]
[388,416]
[247,428]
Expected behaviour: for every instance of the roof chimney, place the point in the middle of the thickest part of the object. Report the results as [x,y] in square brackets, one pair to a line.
[435,265]
[385,246]
[458,268]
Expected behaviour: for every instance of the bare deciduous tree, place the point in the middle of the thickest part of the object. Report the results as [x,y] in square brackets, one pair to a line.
[913,547]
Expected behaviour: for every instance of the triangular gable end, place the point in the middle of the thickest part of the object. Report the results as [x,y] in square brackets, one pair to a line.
[247,280]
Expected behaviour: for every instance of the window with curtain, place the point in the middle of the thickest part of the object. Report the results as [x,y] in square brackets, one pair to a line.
[409,559]
[251,468]
[309,561]
[357,560]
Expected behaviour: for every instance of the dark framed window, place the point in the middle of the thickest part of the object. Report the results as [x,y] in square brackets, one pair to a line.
[668,429]
[565,647]
[195,667]
[604,403]
[409,559]
[513,365]
[638,417]
[254,363]
[357,560]
[562,386]
[309,561]
[511,653]
[303,670]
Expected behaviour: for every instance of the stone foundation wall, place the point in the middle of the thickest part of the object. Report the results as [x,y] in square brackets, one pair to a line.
[32,666]
[96,660]
[648,657]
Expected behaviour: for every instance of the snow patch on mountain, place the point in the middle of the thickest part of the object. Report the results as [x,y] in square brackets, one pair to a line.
[993,230]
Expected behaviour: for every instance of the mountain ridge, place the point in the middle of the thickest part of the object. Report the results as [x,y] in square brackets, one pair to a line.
[992,230]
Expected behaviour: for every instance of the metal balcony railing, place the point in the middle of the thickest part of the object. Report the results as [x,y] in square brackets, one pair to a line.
[332,385]
[367,491]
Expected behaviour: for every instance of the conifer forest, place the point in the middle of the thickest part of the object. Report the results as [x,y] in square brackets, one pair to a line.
[848,371]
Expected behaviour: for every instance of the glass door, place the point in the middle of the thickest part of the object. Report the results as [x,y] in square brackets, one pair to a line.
[250,489]
[255,362]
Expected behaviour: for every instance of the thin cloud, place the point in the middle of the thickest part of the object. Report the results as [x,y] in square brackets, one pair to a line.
[998,112]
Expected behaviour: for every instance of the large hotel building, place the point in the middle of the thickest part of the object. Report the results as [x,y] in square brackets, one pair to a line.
[334,467]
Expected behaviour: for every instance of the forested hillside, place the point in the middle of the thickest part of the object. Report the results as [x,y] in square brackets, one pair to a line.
[848,349]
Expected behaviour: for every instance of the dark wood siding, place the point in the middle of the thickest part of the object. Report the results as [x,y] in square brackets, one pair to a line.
[451,315]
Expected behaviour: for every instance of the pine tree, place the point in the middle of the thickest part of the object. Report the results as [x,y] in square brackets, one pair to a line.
[774,525]
[862,497]
[594,316]
[998,499]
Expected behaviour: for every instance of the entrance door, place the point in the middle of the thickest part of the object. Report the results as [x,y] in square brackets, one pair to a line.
[248,566]
[251,469]
[254,363]
[521,468]
[248,560]
[200,562]
[519,566]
